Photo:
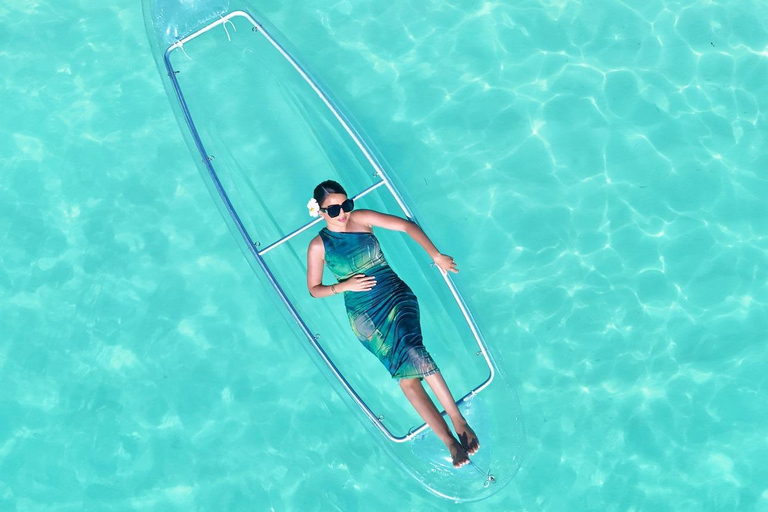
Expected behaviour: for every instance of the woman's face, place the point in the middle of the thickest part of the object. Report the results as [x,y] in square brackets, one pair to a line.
[332,199]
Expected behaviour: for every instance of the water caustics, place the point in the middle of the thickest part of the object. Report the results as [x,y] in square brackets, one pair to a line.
[264,131]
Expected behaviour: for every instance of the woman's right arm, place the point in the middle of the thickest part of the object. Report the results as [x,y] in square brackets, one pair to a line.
[315,261]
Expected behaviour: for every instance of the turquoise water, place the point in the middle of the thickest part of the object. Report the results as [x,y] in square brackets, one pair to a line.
[596,169]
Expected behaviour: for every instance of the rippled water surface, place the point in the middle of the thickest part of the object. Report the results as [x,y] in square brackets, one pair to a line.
[598,169]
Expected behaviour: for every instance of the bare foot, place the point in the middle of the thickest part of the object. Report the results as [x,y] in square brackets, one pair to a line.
[467,437]
[458,454]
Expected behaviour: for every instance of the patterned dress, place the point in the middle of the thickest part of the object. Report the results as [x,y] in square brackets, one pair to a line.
[385,318]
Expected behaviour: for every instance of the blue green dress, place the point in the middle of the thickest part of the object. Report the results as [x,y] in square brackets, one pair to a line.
[385,318]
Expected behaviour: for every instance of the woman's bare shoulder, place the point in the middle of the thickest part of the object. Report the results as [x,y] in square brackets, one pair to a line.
[372,219]
[316,245]
[358,221]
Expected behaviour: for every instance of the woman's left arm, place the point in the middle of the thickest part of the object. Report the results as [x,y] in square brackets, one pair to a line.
[373,218]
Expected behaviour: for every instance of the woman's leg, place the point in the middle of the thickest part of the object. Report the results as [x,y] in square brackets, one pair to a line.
[466,435]
[423,404]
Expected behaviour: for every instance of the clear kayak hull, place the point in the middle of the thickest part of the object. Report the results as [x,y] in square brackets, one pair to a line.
[264,131]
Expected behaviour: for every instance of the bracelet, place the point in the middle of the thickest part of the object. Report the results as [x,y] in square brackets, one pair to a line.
[333,289]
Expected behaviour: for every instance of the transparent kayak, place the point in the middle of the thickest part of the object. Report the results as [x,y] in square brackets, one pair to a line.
[264,131]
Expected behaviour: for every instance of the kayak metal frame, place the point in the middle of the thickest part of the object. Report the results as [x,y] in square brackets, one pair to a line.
[254,247]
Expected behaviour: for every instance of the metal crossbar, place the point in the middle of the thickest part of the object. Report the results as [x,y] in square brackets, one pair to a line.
[257,254]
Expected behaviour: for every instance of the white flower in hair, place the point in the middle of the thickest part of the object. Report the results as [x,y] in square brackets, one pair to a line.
[314,208]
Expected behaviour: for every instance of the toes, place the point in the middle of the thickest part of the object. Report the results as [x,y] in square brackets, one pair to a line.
[461,460]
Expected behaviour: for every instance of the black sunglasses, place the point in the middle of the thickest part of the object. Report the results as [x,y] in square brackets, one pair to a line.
[335,209]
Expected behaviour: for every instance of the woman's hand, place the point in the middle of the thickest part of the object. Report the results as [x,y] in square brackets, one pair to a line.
[445,263]
[358,283]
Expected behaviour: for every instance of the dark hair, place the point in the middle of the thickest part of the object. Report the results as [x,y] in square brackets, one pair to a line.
[327,188]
